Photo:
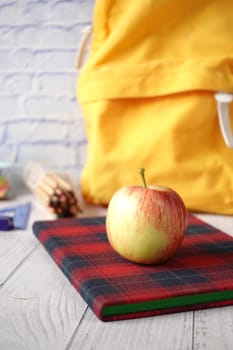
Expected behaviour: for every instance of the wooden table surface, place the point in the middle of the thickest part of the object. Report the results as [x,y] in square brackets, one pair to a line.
[39,308]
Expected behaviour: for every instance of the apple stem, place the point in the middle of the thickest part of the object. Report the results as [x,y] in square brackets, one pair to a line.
[142,173]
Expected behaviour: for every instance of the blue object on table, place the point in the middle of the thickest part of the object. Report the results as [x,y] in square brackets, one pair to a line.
[18,214]
[6,223]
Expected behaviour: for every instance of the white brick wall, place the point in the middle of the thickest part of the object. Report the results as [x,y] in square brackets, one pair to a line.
[39,115]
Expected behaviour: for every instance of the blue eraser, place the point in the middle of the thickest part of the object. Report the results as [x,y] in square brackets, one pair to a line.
[6,223]
[19,214]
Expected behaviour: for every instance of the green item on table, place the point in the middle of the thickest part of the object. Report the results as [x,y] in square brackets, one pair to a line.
[4,186]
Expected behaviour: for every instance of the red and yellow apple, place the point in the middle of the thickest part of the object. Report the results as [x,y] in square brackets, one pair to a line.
[146,224]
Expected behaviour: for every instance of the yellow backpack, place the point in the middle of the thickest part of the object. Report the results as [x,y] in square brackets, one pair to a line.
[151,97]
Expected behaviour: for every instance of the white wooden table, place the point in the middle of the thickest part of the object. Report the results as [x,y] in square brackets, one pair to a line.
[39,309]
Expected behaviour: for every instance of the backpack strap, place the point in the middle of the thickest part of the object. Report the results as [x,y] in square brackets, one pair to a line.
[223,100]
[87,32]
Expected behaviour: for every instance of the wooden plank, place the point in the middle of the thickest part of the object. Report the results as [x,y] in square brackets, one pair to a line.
[15,245]
[213,329]
[39,307]
[160,332]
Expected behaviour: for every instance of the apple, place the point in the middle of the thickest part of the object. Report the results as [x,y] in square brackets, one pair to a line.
[146,224]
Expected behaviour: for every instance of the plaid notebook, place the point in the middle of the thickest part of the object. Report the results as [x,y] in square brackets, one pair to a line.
[199,276]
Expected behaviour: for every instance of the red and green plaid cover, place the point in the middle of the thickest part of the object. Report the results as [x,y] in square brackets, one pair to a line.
[199,276]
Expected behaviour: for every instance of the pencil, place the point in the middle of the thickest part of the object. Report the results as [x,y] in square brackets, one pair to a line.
[58,195]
